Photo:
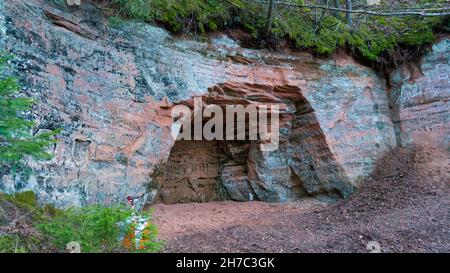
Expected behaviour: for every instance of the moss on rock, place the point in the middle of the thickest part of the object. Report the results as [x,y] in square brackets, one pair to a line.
[369,38]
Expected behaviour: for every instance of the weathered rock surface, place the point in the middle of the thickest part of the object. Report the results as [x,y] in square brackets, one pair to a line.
[191,173]
[420,95]
[111,90]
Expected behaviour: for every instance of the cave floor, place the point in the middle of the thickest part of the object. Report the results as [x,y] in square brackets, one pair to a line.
[404,207]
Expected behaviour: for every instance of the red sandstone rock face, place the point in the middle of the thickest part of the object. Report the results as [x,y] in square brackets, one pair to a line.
[111,90]
[190,174]
[109,141]
[302,165]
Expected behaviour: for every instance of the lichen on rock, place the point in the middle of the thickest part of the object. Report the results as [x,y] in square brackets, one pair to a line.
[420,95]
[111,90]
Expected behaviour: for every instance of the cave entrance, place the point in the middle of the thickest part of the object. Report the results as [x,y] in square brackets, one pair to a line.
[208,171]
[205,171]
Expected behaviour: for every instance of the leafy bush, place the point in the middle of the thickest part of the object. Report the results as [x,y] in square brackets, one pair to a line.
[96,228]
[12,244]
[25,199]
[385,34]
[324,36]
[45,228]
[17,235]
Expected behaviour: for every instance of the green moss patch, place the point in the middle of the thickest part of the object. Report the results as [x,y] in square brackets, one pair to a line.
[322,32]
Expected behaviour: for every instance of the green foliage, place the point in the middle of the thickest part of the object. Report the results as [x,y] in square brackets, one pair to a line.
[20,237]
[23,200]
[385,34]
[12,244]
[95,228]
[181,15]
[324,36]
[16,138]
[18,243]
[115,21]
[321,31]
[148,241]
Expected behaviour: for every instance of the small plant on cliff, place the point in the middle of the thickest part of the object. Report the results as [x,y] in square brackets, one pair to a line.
[322,31]
[16,137]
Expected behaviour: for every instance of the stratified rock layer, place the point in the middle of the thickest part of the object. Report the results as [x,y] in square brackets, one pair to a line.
[111,91]
[191,173]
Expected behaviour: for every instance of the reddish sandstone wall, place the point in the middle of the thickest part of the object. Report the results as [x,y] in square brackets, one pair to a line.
[111,91]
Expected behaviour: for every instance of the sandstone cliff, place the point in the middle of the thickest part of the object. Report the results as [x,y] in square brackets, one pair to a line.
[111,90]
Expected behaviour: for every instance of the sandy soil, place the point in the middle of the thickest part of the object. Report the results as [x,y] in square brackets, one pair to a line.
[404,206]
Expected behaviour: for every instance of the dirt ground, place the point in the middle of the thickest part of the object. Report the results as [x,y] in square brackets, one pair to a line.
[404,206]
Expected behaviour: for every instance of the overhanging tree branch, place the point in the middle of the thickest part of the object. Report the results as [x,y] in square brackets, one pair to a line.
[425,12]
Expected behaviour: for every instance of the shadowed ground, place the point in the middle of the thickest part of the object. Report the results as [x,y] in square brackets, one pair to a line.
[404,206]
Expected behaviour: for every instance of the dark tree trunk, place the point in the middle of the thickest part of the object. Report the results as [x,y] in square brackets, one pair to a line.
[349,8]
[337,4]
[270,18]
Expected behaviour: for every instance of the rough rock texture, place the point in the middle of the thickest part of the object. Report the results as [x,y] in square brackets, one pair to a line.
[234,171]
[111,90]
[303,161]
[83,78]
[191,173]
[421,97]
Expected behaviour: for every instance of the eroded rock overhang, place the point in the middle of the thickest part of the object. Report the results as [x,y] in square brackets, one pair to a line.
[420,97]
[301,165]
[111,90]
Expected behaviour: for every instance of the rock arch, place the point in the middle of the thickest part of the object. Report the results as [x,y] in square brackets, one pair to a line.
[200,170]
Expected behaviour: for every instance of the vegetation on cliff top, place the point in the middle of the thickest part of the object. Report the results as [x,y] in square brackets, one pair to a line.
[320,30]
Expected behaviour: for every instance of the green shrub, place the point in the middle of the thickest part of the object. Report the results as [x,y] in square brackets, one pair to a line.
[12,244]
[26,199]
[92,227]
[21,237]
[95,228]
[324,37]
[181,15]
[16,137]
[323,32]
[385,34]
[115,21]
